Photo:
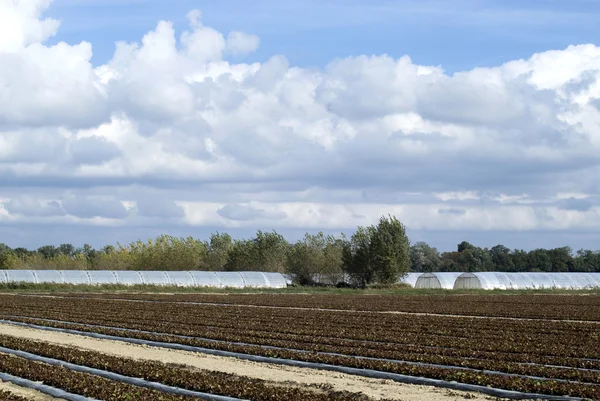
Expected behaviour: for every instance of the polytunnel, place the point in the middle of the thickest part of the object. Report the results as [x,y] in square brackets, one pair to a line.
[276,280]
[231,279]
[102,277]
[181,278]
[75,277]
[151,277]
[532,280]
[443,280]
[129,277]
[206,279]
[410,278]
[23,276]
[49,276]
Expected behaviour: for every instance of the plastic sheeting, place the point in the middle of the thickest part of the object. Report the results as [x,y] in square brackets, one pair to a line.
[206,279]
[410,278]
[75,277]
[254,279]
[231,279]
[49,276]
[443,280]
[154,278]
[276,280]
[129,277]
[181,279]
[102,277]
[23,276]
[178,278]
[517,281]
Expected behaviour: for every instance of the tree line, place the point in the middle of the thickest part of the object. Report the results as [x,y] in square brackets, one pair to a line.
[378,253]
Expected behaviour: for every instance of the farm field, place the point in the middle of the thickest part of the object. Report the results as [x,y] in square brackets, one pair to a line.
[250,346]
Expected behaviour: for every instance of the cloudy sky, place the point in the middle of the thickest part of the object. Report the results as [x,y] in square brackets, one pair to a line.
[125,119]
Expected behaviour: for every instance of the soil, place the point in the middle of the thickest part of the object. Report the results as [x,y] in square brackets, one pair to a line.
[276,374]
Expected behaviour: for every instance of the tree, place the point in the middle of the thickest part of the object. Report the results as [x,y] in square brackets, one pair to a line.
[356,256]
[48,251]
[241,256]
[521,260]
[378,254]
[316,257]
[463,246]
[66,249]
[270,252]
[540,260]
[5,253]
[562,259]
[501,259]
[218,248]
[424,258]
[390,250]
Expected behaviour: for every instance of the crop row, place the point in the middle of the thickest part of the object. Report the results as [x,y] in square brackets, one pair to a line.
[472,377]
[456,327]
[8,396]
[444,347]
[81,383]
[532,306]
[258,326]
[203,381]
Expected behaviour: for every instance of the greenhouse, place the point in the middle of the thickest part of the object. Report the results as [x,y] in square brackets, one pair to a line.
[176,278]
[517,281]
[410,279]
[443,280]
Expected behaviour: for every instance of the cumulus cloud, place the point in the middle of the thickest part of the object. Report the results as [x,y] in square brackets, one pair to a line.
[30,206]
[91,207]
[172,113]
[247,212]
[153,206]
[242,43]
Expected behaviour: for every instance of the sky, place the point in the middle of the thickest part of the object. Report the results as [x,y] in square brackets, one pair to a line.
[468,120]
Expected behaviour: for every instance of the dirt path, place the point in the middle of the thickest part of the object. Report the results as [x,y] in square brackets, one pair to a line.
[25,392]
[375,388]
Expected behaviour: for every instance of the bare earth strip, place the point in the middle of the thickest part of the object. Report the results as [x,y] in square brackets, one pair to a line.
[277,374]
[25,392]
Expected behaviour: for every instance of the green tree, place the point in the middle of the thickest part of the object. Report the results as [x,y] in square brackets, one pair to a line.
[378,254]
[66,249]
[48,251]
[357,260]
[521,260]
[316,256]
[562,259]
[218,248]
[540,260]
[424,258]
[390,250]
[270,252]
[242,256]
[501,259]
[5,253]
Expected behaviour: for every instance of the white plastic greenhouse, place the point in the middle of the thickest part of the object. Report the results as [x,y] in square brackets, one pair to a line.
[177,278]
[498,280]
[443,280]
[410,279]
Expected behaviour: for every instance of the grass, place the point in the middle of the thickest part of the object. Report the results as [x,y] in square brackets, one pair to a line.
[379,290]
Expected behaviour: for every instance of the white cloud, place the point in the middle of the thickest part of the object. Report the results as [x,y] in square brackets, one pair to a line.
[271,144]
[242,43]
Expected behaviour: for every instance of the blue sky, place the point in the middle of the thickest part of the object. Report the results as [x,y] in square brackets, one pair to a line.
[309,117]
[458,35]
